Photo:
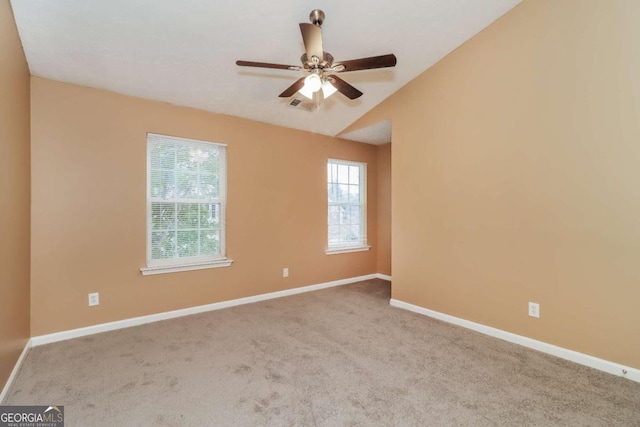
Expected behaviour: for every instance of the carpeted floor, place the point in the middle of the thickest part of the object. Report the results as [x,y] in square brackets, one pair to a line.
[340,356]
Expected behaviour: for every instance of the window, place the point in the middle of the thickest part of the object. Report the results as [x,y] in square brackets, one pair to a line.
[346,182]
[186,192]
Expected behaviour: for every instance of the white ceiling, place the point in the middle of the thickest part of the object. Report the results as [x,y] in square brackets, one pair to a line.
[184,52]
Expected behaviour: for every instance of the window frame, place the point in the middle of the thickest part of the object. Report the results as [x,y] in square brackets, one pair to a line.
[175,264]
[363,245]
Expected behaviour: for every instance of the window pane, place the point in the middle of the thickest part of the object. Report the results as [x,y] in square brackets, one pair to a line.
[162,216]
[210,242]
[162,155]
[334,234]
[354,175]
[334,215]
[187,215]
[355,215]
[187,158]
[209,215]
[209,161]
[187,185]
[208,187]
[344,215]
[344,234]
[343,174]
[333,193]
[162,184]
[187,243]
[355,233]
[343,193]
[354,194]
[334,173]
[163,244]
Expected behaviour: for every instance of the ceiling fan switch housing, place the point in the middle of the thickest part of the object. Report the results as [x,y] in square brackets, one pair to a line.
[316,17]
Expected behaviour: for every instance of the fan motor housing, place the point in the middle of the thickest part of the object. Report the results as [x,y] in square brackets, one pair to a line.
[327,62]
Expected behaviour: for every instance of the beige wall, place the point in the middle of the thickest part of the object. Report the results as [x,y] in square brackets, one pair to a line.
[15,191]
[384,209]
[89,208]
[515,178]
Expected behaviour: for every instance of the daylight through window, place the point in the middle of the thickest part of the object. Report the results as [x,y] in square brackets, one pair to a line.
[186,189]
[346,182]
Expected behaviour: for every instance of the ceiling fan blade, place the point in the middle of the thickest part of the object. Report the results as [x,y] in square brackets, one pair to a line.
[345,88]
[312,38]
[382,61]
[293,88]
[268,65]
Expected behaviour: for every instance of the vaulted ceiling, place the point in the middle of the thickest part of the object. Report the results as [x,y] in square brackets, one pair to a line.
[184,52]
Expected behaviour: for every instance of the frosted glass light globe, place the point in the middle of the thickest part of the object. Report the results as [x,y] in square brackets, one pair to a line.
[313,83]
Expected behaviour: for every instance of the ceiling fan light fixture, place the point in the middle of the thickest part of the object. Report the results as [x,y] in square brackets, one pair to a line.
[319,63]
[328,89]
[306,92]
[313,82]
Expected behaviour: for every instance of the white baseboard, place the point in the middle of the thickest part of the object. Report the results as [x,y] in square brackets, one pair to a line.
[14,372]
[383,277]
[126,323]
[583,359]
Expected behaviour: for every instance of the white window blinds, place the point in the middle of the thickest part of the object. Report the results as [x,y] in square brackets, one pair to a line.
[186,192]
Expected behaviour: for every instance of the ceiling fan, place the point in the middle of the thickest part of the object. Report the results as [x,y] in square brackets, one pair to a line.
[320,65]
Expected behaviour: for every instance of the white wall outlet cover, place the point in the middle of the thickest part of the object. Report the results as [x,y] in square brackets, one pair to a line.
[94,299]
[285,272]
[534,309]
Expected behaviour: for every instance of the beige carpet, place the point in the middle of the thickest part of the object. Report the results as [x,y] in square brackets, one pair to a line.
[340,356]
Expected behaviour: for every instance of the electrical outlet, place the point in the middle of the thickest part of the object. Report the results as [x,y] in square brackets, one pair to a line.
[94,299]
[285,272]
[534,309]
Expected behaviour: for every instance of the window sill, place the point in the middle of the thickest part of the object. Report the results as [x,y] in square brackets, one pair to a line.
[347,250]
[146,271]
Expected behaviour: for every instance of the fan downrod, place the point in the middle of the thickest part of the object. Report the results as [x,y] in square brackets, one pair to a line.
[316,17]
